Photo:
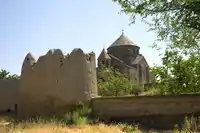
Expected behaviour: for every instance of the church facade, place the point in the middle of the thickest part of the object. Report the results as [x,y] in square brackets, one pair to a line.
[125,56]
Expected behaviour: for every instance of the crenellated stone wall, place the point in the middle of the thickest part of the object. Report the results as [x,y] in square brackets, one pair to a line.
[55,81]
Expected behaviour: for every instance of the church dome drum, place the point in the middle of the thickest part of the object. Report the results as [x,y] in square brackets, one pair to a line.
[123,48]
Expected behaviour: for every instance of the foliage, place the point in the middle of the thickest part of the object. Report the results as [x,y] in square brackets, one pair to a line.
[78,116]
[6,75]
[129,128]
[179,75]
[177,22]
[113,83]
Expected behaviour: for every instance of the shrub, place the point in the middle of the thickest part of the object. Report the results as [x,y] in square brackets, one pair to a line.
[113,83]
[129,128]
[78,116]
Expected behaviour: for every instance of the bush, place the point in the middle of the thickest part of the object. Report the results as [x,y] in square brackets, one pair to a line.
[177,74]
[113,83]
[129,128]
[78,116]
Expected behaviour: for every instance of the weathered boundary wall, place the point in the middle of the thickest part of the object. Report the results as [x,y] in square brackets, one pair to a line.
[9,89]
[56,81]
[134,106]
[165,109]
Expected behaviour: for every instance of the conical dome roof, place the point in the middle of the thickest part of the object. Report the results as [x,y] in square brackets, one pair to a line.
[122,41]
[104,55]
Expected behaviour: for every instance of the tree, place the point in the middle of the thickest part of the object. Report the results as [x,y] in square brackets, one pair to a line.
[181,75]
[6,75]
[112,83]
[177,22]
[3,74]
[14,76]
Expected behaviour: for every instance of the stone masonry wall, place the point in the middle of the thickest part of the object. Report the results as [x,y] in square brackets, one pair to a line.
[135,106]
[56,81]
[158,111]
[8,94]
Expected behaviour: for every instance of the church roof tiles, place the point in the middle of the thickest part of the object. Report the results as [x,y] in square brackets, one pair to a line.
[122,40]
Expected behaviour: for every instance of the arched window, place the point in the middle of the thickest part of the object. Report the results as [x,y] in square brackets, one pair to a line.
[147,74]
[103,62]
[140,73]
[107,63]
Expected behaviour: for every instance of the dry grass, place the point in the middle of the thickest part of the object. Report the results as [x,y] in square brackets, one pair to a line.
[53,128]
[56,128]
[7,126]
[54,125]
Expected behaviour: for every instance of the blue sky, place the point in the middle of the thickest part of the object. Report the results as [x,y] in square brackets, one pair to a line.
[39,25]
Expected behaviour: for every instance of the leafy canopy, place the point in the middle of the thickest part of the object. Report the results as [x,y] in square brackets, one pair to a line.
[113,83]
[6,75]
[177,22]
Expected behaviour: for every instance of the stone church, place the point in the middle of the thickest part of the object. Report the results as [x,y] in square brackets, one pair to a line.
[124,55]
